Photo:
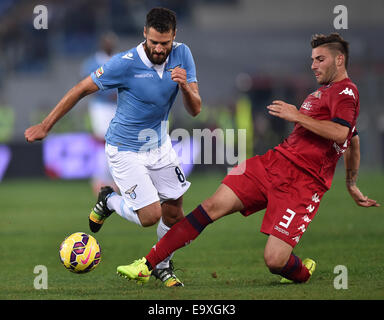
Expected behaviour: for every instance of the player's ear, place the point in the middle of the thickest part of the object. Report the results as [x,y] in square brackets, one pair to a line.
[340,60]
[174,35]
[145,32]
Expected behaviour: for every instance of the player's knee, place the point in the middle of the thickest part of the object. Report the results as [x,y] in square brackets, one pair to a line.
[149,217]
[223,202]
[274,262]
[172,211]
[150,221]
[171,219]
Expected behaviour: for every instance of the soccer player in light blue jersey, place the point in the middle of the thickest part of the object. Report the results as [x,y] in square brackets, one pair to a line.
[140,155]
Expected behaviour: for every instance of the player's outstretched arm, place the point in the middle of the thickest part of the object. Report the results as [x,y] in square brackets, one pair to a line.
[82,89]
[352,165]
[324,128]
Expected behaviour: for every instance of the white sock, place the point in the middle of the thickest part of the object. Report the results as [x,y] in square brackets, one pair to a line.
[162,229]
[117,203]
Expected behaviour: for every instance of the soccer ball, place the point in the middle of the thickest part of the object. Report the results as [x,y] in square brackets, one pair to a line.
[80,252]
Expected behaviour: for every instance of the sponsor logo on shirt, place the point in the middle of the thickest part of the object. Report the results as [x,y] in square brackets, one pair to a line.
[348,91]
[306,105]
[143,75]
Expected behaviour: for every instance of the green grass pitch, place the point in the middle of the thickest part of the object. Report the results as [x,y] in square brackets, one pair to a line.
[225,262]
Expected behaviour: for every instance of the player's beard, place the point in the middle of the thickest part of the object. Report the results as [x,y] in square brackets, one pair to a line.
[156,58]
[328,75]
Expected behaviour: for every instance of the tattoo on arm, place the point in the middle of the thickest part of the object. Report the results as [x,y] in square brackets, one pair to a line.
[351,177]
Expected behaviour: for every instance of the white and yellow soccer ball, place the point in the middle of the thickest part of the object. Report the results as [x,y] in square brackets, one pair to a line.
[80,252]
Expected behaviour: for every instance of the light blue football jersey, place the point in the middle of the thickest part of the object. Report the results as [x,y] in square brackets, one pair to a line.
[146,93]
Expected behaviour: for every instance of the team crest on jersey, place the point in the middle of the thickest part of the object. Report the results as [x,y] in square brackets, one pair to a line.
[316,94]
[171,69]
[99,72]
[131,192]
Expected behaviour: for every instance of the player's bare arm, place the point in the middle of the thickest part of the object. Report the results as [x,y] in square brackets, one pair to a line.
[352,164]
[190,91]
[79,91]
[324,128]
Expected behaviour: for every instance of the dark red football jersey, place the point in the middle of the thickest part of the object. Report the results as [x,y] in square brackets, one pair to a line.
[338,102]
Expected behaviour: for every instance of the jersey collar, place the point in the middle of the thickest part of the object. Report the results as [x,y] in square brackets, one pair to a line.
[143,56]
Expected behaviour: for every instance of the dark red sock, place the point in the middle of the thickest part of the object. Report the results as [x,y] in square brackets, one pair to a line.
[295,270]
[181,234]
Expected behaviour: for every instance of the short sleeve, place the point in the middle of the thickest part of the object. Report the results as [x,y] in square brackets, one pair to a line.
[344,105]
[111,74]
[189,65]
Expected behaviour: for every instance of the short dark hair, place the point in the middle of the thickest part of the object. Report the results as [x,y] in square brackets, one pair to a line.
[161,19]
[334,42]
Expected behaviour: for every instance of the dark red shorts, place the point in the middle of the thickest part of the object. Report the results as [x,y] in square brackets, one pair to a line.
[290,194]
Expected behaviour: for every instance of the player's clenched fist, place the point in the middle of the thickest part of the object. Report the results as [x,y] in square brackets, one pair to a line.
[36,132]
[179,75]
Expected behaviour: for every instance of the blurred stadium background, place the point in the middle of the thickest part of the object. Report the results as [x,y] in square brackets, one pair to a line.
[247,53]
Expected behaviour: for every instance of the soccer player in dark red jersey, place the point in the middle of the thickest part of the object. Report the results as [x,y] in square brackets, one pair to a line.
[289,180]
